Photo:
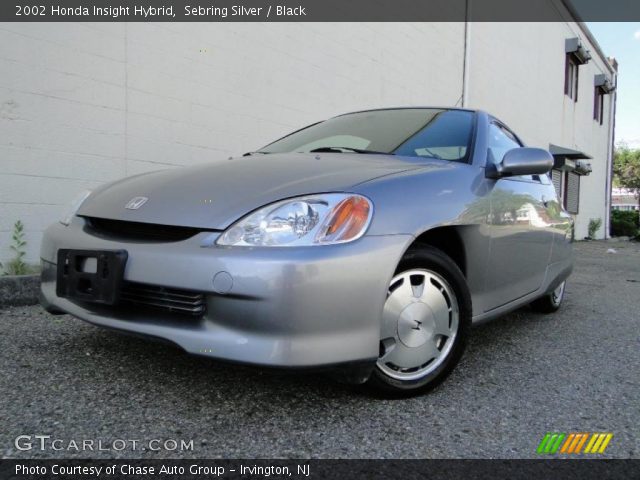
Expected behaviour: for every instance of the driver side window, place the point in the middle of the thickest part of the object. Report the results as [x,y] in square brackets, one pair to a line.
[500,142]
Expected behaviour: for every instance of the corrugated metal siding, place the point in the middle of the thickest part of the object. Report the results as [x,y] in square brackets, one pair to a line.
[556,178]
[573,192]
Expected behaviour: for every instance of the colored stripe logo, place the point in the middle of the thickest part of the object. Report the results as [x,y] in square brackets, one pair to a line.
[573,443]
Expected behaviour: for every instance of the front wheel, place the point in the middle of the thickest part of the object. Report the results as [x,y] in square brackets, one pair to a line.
[426,317]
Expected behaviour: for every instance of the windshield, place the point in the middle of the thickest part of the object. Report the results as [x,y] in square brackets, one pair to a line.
[414,132]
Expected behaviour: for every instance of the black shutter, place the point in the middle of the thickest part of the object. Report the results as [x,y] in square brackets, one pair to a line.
[556,178]
[573,192]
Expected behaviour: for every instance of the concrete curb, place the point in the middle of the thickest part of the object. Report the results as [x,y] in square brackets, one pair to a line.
[19,290]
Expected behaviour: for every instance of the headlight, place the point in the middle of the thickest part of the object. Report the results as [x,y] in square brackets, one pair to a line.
[310,220]
[74,207]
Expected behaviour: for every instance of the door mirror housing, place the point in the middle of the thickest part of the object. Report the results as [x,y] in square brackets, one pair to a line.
[521,161]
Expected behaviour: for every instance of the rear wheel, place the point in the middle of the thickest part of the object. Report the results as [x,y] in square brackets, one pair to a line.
[425,321]
[551,302]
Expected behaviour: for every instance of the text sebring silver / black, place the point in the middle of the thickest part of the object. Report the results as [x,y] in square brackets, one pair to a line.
[242,11]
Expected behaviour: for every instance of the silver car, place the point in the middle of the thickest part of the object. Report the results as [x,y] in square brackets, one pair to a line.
[366,244]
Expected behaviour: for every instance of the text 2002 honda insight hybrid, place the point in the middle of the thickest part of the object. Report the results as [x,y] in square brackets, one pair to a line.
[368,242]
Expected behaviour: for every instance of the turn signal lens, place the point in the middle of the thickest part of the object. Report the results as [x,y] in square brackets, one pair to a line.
[347,221]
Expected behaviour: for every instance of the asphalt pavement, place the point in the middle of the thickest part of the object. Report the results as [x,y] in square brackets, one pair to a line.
[523,375]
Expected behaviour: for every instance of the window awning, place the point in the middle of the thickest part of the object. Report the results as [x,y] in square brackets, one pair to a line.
[565,152]
[603,83]
[570,160]
[573,46]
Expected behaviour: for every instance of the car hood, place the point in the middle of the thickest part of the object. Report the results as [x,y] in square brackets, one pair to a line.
[216,194]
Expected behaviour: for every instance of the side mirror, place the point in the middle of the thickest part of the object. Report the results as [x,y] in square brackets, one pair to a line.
[521,161]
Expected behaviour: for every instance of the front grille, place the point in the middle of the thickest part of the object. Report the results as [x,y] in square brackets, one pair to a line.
[125,230]
[171,300]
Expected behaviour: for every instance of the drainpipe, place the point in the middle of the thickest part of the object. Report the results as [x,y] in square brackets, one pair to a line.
[611,150]
[467,57]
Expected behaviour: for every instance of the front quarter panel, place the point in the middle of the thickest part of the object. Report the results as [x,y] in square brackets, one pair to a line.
[416,201]
[445,195]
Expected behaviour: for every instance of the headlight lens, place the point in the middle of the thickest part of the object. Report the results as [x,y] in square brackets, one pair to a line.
[311,220]
[74,206]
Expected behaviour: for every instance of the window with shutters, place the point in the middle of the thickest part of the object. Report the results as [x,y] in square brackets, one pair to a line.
[571,77]
[571,192]
[598,105]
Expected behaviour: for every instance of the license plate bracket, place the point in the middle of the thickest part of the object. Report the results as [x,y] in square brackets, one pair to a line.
[91,275]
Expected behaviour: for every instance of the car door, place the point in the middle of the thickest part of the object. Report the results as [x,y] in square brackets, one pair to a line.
[521,237]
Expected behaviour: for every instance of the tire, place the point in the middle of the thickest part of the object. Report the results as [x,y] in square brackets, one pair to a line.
[551,302]
[426,320]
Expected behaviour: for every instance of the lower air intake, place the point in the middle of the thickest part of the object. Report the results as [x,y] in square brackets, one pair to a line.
[171,300]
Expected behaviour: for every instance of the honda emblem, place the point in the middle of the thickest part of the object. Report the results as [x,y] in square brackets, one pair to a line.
[135,203]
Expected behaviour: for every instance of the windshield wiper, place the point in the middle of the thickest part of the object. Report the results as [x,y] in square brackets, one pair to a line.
[342,149]
[248,154]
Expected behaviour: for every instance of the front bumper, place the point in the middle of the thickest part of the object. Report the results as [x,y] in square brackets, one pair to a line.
[284,307]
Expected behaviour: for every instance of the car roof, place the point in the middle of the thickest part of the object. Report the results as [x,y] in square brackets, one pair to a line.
[410,108]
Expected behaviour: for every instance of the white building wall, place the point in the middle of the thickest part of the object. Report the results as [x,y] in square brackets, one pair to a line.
[82,104]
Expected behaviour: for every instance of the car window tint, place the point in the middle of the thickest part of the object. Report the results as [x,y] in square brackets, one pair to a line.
[500,141]
[347,141]
[379,130]
[446,136]
[416,132]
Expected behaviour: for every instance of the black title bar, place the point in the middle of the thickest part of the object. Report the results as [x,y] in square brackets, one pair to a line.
[320,469]
[318,10]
